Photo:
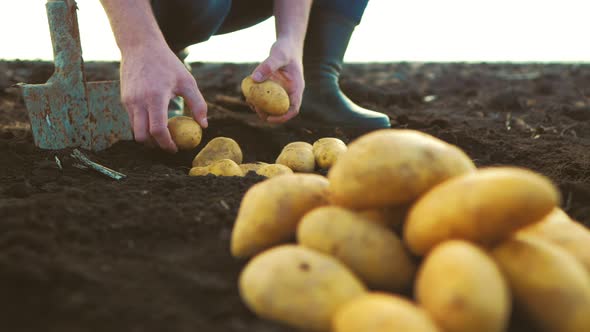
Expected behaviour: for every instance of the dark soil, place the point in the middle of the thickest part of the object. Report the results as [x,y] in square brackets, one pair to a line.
[79,252]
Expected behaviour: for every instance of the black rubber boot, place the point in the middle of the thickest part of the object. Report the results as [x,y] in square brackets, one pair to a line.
[324,104]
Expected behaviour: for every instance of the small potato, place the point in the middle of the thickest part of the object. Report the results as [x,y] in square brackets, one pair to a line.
[267,96]
[297,286]
[463,290]
[270,211]
[297,158]
[198,171]
[185,132]
[225,167]
[484,207]
[375,312]
[371,251]
[558,228]
[273,170]
[393,167]
[548,284]
[251,167]
[297,145]
[217,149]
[327,150]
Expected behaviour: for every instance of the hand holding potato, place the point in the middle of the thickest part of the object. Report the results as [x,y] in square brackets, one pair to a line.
[283,66]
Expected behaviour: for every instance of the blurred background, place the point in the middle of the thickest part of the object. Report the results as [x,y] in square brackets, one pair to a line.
[392,30]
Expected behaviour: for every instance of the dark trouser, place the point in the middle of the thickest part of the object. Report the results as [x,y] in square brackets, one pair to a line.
[188,22]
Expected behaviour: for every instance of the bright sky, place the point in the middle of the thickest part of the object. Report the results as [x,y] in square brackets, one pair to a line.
[392,30]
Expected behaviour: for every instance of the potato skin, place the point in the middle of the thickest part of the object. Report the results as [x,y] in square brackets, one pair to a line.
[198,171]
[408,161]
[251,167]
[298,157]
[273,170]
[376,312]
[547,283]
[371,251]
[185,132]
[297,286]
[463,290]
[327,150]
[267,96]
[484,207]
[559,229]
[225,167]
[392,217]
[270,211]
[217,149]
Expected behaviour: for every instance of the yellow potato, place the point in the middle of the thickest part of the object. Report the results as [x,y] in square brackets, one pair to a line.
[393,217]
[393,167]
[254,167]
[327,150]
[225,167]
[297,145]
[371,251]
[185,132]
[463,290]
[298,158]
[483,207]
[217,149]
[548,284]
[375,312]
[558,228]
[198,171]
[297,286]
[267,96]
[270,211]
[273,170]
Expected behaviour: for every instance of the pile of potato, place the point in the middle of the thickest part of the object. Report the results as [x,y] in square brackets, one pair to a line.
[403,212]
[222,156]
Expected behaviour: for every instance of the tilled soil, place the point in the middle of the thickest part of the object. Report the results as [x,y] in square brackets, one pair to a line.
[80,252]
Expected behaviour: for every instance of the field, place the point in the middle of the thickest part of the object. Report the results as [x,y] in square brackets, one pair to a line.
[79,252]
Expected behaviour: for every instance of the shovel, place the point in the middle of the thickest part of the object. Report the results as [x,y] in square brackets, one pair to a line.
[67,111]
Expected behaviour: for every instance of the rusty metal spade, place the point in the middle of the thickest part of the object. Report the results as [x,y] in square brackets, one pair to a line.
[67,111]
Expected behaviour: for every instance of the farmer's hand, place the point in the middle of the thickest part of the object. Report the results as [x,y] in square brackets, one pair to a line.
[284,65]
[151,75]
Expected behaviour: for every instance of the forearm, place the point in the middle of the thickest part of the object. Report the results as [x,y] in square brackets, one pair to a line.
[133,24]
[291,17]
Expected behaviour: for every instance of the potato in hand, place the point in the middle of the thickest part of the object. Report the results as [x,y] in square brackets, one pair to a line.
[185,132]
[268,96]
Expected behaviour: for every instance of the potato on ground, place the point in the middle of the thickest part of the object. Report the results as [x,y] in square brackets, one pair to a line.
[327,150]
[297,145]
[570,235]
[375,312]
[270,211]
[185,132]
[371,251]
[463,290]
[198,171]
[251,167]
[297,286]
[268,96]
[273,170]
[393,167]
[298,156]
[548,284]
[225,167]
[484,207]
[217,149]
